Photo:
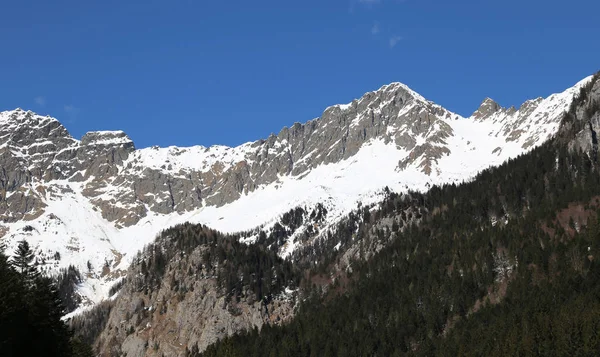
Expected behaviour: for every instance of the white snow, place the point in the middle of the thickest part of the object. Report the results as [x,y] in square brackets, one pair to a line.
[115,137]
[344,106]
[175,159]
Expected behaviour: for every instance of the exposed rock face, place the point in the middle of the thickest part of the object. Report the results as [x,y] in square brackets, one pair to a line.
[167,322]
[37,150]
[586,122]
[28,144]
[182,306]
[486,109]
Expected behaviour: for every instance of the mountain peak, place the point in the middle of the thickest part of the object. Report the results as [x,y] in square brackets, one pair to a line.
[401,87]
[18,115]
[385,91]
[25,128]
[486,109]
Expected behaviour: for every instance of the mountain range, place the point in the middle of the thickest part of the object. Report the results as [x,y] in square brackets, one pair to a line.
[94,203]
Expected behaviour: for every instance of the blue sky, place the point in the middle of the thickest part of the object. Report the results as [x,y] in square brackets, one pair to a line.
[226,72]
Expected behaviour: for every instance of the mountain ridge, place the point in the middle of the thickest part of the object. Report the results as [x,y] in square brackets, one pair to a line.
[413,266]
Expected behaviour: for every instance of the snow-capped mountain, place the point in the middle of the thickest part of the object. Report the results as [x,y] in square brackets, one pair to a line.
[95,202]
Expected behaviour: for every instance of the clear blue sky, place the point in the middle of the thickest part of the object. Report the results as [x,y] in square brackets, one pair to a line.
[226,72]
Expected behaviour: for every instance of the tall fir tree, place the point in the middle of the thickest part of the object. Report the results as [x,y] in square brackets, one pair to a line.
[23,262]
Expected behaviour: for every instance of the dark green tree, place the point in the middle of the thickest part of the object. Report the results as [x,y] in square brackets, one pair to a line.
[23,262]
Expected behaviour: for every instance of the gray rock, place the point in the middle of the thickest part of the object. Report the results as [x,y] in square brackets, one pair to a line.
[166,319]
[586,139]
[486,109]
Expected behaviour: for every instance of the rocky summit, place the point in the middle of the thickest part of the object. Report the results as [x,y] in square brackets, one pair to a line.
[93,203]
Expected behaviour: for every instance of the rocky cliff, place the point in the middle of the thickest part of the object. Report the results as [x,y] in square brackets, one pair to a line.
[190,288]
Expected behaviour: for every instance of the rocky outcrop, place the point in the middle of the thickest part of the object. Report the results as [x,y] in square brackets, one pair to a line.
[28,145]
[175,297]
[37,150]
[487,108]
[168,322]
[582,122]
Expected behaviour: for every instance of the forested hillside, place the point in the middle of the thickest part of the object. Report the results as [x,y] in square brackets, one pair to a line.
[188,288]
[503,265]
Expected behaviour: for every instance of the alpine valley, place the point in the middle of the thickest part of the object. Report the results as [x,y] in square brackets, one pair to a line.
[173,249]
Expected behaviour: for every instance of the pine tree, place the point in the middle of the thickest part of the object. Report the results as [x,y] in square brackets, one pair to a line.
[22,261]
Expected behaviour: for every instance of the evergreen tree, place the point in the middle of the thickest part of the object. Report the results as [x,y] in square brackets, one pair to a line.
[23,260]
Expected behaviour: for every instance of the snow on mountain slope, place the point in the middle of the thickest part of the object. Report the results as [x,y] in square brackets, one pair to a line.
[94,203]
[175,159]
